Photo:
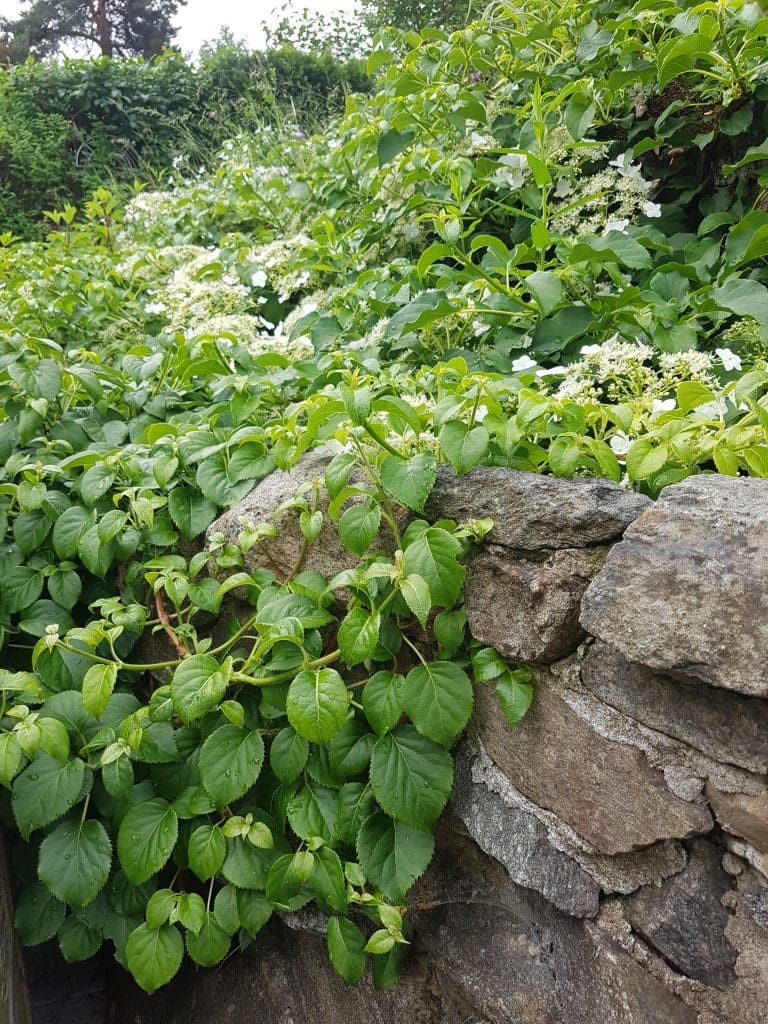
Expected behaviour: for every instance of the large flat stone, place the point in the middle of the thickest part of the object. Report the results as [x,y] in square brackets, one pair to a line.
[684,918]
[686,591]
[606,791]
[326,555]
[534,513]
[724,725]
[742,815]
[529,609]
[519,841]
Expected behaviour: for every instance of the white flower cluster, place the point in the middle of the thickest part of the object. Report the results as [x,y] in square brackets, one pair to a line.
[276,258]
[623,371]
[607,200]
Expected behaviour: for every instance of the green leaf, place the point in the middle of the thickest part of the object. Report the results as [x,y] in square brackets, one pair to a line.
[78,941]
[359,526]
[393,855]
[65,587]
[146,839]
[355,803]
[327,880]
[547,289]
[515,694]
[30,530]
[350,749]
[743,297]
[206,851]
[644,459]
[154,955]
[288,755]
[245,865]
[284,887]
[345,949]
[383,700]
[22,586]
[254,910]
[230,762]
[198,685]
[75,860]
[11,756]
[358,635]
[387,967]
[409,481]
[614,247]
[46,790]
[579,115]
[464,448]
[438,699]
[39,915]
[98,686]
[95,482]
[692,393]
[416,594]
[160,906]
[391,144]
[411,776]
[225,909]
[312,812]
[434,556]
[190,511]
[192,913]
[317,704]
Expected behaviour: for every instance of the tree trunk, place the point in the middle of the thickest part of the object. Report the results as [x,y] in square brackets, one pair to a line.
[103,28]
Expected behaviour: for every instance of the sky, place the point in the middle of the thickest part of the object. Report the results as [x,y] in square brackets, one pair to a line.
[203,20]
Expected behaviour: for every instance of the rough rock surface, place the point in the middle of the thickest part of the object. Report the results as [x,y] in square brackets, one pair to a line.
[535,513]
[519,841]
[606,791]
[742,815]
[700,554]
[724,725]
[684,918]
[529,610]
[326,555]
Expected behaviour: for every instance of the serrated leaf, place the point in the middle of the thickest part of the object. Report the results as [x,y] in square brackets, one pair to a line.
[434,556]
[312,812]
[358,635]
[349,751]
[206,851]
[254,910]
[382,700]
[225,909]
[345,949]
[411,776]
[98,686]
[22,586]
[393,855]
[95,482]
[192,913]
[359,526]
[160,907]
[409,481]
[355,803]
[198,685]
[438,699]
[417,596]
[392,143]
[11,756]
[190,511]
[464,448]
[327,880]
[146,839]
[288,755]
[75,860]
[154,955]
[78,941]
[317,704]
[46,790]
[515,694]
[69,528]
[39,915]
[230,763]
[284,887]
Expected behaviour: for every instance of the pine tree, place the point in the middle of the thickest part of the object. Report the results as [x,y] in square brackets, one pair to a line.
[112,28]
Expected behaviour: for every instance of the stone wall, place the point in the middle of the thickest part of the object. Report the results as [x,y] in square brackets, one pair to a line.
[605,862]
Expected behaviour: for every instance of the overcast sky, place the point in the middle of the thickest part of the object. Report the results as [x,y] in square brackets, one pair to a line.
[203,20]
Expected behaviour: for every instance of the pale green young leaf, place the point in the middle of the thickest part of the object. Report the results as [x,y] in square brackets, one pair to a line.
[98,686]
[438,699]
[409,481]
[154,955]
[358,635]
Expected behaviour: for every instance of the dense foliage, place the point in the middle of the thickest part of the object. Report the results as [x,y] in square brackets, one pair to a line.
[68,127]
[541,244]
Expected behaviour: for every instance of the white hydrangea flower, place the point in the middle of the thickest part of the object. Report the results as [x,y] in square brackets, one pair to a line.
[621,224]
[663,405]
[620,443]
[728,358]
[651,209]
[523,363]
[590,350]
[258,279]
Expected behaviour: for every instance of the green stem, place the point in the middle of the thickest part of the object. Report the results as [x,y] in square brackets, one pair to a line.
[282,677]
[382,441]
[126,665]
